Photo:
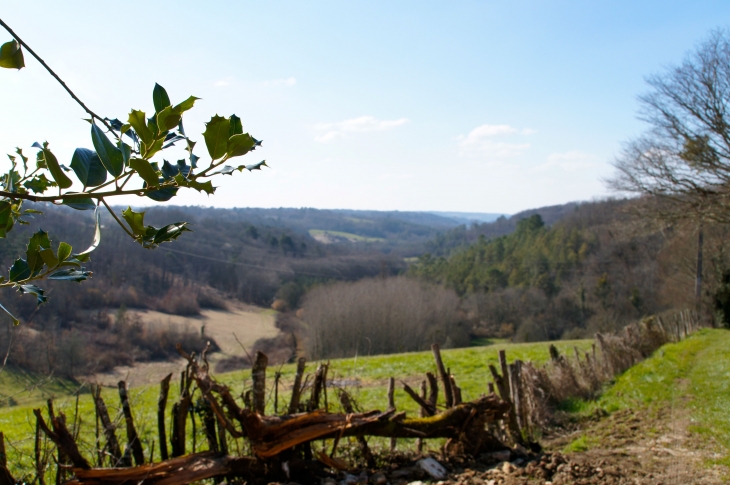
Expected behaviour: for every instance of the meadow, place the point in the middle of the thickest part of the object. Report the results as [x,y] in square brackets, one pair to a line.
[365,378]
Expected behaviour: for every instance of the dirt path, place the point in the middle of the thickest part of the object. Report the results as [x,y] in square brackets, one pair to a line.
[246,323]
[645,447]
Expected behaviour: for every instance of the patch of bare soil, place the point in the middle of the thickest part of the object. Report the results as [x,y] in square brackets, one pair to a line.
[246,323]
[627,448]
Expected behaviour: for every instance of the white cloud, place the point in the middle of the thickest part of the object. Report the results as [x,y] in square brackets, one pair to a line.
[289,81]
[362,124]
[480,141]
[226,81]
[571,161]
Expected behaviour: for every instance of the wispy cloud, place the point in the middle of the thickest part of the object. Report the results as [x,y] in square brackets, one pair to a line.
[362,124]
[480,141]
[571,161]
[290,81]
[226,81]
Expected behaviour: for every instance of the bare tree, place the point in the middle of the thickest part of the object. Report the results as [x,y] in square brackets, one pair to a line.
[682,163]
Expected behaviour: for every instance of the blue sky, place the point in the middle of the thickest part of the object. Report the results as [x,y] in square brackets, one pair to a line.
[449,106]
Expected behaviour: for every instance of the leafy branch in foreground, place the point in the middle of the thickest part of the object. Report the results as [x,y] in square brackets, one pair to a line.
[119,164]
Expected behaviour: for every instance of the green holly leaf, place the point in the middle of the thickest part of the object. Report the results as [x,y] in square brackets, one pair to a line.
[84,257]
[77,275]
[156,146]
[216,136]
[64,251]
[55,168]
[168,118]
[19,270]
[135,221]
[160,98]
[39,183]
[6,217]
[87,166]
[186,105]
[37,242]
[138,121]
[126,151]
[206,187]
[33,290]
[11,55]
[236,127]
[144,169]
[256,166]
[162,195]
[111,156]
[240,145]
[169,232]
[80,203]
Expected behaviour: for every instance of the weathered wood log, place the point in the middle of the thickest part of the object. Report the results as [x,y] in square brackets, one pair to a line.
[272,435]
[61,436]
[181,470]
[258,375]
[161,408]
[296,392]
[448,393]
[132,438]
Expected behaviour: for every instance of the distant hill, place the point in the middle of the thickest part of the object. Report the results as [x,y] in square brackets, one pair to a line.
[470,217]
[463,235]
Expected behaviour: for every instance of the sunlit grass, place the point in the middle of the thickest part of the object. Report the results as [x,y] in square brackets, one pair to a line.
[692,375]
[365,378]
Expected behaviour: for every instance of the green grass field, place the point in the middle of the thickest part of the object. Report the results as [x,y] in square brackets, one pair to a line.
[346,235]
[692,376]
[364,377]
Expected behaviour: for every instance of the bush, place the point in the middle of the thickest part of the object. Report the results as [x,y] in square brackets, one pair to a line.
[381,316]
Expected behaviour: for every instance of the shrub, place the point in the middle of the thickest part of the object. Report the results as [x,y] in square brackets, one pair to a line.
[381,316]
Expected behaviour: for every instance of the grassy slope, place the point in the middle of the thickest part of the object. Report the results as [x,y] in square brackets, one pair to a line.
[691,376]
[347,235]
[468,365]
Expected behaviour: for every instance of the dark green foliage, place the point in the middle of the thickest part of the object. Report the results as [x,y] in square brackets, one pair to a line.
[531,257]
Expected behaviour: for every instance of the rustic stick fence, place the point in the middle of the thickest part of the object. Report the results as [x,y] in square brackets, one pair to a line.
[520,400]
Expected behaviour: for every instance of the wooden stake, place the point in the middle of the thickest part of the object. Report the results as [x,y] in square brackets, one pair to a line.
[433,386]
[258,375]
[5,477]
[132,438]
[347,406]
[111,438]
[297,387]
[391,405]
[422,414]
[161,408]
[444,375]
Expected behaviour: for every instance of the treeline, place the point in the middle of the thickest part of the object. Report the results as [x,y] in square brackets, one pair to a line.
[593,270]
[225,257]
